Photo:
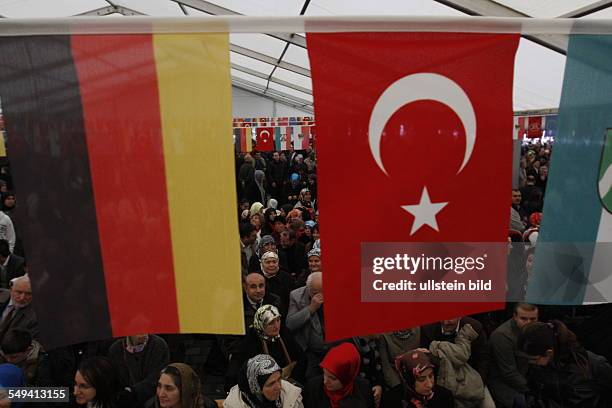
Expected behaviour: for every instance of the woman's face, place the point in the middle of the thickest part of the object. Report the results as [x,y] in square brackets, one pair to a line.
[271,390]
[9,202]
[308,232]
[315,234]
[168,394]
[424,383]
[330,381]
[307,196]
[272,329]
[270,265]
[314,264]
[256,221]
[84,392]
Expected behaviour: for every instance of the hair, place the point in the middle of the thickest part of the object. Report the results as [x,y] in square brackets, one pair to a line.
[100,374]
[16,341]
[537,338]
[296,224]
[290,232]
[4,248]
[311,278]
[246,228]
[281,219]
[525,306]
[516,189]
[175,374]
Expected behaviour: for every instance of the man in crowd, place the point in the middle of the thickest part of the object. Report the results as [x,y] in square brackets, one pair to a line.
[255,296]
[294,251]
[305,320]
[516,221]
[138,361]
[447,330]
[20,349]
[248,237]
[18,311]
[506,377]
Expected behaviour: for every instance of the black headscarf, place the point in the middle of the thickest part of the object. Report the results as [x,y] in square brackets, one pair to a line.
[253,375]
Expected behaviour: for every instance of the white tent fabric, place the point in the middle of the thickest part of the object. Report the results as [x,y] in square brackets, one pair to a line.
[276,67]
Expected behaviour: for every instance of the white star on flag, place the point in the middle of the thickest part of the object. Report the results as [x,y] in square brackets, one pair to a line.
[424,212]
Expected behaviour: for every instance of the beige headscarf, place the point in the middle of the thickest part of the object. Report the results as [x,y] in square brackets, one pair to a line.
[191,388]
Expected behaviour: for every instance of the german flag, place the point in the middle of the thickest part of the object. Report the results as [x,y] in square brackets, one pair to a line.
[121,158]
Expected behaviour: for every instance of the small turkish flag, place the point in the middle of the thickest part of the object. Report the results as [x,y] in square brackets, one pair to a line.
[425,120]
[265,139]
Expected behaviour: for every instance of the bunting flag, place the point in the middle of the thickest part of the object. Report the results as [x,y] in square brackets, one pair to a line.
[265,139]
[282,138]
[301,137]
[520,126]
[113,137]
[550,125]
[451,89]
[574,251]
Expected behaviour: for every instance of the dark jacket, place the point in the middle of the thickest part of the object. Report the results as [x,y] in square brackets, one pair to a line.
[506,377]
[479,359]
[442,398]
[570,386]
[251,345]
[23,318]
[315,397]
[296,259]
[140,371]
[281,285]
[14,268]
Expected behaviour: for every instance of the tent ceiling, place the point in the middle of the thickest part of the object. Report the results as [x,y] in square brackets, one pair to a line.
[276,65]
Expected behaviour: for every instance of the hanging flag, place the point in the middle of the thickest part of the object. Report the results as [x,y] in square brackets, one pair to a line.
[442,89]
[550,125]
[300,137]
[574,250]
[132,127]
[284,121]
[282,138]
[243,139]
[534,127]
[293,121]
[519,127]
[265,139]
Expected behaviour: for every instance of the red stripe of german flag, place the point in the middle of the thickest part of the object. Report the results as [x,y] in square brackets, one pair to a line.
[121,143]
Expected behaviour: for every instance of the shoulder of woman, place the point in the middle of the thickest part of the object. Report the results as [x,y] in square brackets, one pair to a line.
[291,393]
[233,399]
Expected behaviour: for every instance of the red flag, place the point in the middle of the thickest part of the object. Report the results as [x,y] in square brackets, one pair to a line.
[535,127]
[399,105]
[265,139]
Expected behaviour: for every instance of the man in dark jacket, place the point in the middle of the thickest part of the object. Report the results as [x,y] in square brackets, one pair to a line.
[506,377]
[138,361]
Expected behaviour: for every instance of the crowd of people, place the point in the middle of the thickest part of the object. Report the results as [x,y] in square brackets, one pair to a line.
[524,357]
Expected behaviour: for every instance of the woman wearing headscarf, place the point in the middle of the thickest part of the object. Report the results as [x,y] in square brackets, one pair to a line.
[256,188]
[260,385]
[268,336]
[395,344]
[179,387]
[340,386]
[265,244]
[562,372]
[418,388]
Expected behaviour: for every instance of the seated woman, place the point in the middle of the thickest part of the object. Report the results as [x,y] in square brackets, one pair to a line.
[266,336]
[562,372]
[340,385]
[96,384]
[260,386]
[180,387]
[418,388]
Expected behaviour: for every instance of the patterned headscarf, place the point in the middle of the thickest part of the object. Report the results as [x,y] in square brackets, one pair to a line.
[253,375]
[266,255]
[314,252]
[265,240]
[263,316]
[411,365]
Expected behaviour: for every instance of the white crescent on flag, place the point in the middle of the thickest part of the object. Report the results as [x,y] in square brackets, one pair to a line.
[417,87]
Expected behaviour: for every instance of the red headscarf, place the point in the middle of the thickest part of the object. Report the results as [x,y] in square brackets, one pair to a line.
[343,361]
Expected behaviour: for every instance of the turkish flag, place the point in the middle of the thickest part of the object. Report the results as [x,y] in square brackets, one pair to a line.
[534,129]
[398,105]
[265,139]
